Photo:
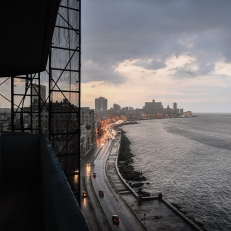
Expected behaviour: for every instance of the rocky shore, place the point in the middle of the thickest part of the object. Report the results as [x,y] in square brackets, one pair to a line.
[136,179]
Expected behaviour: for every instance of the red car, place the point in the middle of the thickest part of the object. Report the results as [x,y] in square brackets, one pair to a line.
[115,220]
[101,193]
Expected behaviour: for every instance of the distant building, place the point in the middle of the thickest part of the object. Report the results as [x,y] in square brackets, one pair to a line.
[109,113]
[168,110]
[138,113]
[61,122]
[97,118]
[101,104]
[124,110]
[87,120]
[153,107]
[35,93]
[87,117]
[174,107]
[116,107]
[188,113]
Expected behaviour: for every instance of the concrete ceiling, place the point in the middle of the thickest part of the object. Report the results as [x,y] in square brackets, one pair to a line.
[26,29]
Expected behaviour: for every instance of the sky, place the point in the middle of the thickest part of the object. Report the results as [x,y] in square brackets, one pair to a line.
[135,51]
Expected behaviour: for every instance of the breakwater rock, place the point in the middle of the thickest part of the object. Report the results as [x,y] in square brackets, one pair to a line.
[125,161]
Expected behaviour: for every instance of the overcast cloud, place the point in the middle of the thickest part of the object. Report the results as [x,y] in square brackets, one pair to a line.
[181,39]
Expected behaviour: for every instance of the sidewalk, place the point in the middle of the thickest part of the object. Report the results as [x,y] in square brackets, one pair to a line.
[153,214]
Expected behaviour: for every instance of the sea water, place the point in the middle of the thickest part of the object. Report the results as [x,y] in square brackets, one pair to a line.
[188,160]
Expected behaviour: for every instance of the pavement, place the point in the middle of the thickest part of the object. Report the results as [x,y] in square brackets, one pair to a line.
[90,206]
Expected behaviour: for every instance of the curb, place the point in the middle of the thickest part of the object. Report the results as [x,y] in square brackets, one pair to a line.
[112,185]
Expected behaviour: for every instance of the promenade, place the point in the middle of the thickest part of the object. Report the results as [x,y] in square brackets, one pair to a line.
[155,215]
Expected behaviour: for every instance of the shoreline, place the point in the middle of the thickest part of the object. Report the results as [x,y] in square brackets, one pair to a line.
[130,156]
[134,178]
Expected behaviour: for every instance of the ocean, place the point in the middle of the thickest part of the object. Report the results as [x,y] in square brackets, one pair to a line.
[188,160]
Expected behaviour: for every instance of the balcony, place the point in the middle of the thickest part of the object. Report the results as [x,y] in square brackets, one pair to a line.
[34,192]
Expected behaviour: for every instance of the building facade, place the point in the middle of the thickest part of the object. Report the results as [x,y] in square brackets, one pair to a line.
[101,104]
[153,107]
[87,121]
[35,94]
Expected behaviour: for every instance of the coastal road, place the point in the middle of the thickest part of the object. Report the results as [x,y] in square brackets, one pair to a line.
[112,203]
[89,206]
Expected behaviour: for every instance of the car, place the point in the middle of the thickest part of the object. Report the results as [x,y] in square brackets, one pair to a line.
[94,174]
[101,193]
[115,219]
[84,194]
[88,164]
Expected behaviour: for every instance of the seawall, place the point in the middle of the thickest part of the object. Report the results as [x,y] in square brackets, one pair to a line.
[162,201]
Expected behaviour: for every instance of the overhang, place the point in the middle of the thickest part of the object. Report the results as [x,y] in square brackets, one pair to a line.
[26,29]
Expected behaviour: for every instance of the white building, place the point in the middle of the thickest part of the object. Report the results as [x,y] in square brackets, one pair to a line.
[88,121]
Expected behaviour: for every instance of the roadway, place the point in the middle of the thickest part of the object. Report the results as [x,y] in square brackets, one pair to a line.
[111,202]
[90,207]
[154,214]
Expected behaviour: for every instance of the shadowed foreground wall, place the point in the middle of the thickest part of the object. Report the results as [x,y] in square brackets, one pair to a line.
[35,194]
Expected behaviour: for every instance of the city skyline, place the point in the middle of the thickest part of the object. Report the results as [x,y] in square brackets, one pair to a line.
[101,104]
[173,51]
[134,51]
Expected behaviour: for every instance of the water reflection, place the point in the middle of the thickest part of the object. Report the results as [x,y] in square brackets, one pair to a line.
[88,170]
[84,202]
[76,179]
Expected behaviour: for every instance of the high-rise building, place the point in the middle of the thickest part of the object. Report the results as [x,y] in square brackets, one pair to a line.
[174,107]
[36,93]
[100,104]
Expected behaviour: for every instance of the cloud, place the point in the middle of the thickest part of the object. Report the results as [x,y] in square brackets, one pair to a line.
[150,64]
[183,72]
[150,30]
[222,68]
[96,72]
[177,40]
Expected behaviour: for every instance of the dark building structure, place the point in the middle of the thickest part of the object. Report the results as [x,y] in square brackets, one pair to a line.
[41,46]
